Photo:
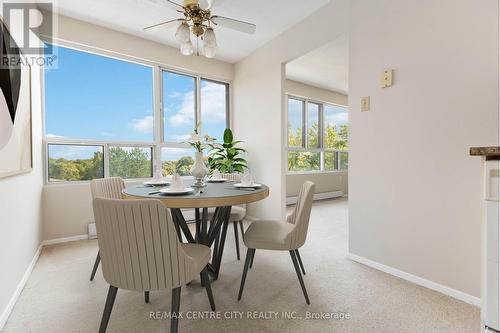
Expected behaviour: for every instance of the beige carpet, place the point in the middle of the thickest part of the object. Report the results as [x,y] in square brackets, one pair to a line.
[60,298]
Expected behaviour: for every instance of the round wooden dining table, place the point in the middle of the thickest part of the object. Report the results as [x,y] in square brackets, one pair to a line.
[221,196]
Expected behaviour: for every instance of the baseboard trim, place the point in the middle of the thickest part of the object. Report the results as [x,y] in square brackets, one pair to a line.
[317,196]
[20,286]
[65,240]
[476,301]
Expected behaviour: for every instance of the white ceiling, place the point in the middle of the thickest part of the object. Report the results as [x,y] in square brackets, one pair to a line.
[326,67]
[272,17]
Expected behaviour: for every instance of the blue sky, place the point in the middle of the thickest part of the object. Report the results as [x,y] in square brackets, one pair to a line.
[94,97]
[99,98]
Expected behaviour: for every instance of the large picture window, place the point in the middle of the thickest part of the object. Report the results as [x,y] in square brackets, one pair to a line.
[101,117]
[317,136]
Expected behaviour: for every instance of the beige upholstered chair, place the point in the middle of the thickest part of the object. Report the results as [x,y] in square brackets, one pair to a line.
[238,212]
[110,188]
[287,235]
[140,251]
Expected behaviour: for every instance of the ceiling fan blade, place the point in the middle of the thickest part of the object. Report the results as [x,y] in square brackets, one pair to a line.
[230,23]
[171,22]
[170,4]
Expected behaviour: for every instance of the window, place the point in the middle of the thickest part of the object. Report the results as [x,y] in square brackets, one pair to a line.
[213,97]
[98,98]
[131,162]
[72,162]
[326,136]
[177,160]
[101,121]
[295,123]
[313,128]
[179,106]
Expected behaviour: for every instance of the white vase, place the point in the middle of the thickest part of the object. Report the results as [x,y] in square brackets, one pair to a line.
[199,170]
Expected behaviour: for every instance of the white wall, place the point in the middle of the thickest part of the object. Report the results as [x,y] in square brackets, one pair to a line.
[20,213]
[67,207]
[414,193]
[325,181]
[319,94]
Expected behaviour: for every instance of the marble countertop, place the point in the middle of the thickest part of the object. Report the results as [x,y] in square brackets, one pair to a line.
[488,152]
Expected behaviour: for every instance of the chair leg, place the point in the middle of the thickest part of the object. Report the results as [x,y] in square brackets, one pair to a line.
[201,279]
[176,303]
[250,253]
[300,261]
[96,264]
[146,296]
[241,227]
[251,260]
[299,275]
[110,300]
[236,239]
[204,275]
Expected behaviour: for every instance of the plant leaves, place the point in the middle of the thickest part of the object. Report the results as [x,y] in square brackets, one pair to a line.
[228,136]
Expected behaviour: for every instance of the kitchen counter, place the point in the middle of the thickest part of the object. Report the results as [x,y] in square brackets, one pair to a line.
[491,153]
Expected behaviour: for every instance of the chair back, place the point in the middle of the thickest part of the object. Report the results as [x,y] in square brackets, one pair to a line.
[110,188]
[139,245]
[301,214]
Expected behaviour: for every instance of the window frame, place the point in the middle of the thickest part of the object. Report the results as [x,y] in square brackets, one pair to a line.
[158,123]
[305,137]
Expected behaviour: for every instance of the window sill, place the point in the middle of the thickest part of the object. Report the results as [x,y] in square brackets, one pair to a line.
[86,182]
[295,173]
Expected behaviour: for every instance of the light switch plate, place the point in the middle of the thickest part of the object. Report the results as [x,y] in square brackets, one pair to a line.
[387,77]
[365,104]
[92,231]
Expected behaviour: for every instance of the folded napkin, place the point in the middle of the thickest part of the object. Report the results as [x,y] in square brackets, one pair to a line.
[216,175]
[247,179]
[177,183]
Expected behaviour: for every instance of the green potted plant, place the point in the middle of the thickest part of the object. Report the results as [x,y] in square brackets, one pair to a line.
[226,157]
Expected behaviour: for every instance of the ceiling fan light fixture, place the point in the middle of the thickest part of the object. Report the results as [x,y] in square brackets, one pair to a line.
[187,48]
[209,51]
[183,34]
[209,38]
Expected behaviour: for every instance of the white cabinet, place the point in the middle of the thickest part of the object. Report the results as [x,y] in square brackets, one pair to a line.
[491,303]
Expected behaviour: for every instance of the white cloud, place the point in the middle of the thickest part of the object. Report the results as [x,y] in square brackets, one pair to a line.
[339,118]
[54,136]
[143,125]
[72,152]
[185,115]
[178,138]
[213,105]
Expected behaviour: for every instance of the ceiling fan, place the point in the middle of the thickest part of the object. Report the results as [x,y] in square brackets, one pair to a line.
[199,21]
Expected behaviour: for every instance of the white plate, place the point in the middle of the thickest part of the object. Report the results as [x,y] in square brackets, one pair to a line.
[175,191]
[255,185]
[157,182]
[218,180]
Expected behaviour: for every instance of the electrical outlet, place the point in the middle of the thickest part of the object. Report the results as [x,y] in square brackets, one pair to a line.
[365,103]
[387,76]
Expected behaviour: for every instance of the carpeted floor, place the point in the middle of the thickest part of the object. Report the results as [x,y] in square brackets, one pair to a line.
[60,298]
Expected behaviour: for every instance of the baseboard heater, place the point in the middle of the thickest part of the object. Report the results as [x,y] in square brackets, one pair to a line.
[317,196]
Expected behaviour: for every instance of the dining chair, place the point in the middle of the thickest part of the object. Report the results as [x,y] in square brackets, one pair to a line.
[110,188]
[140,251]
[288,235]
[238,213]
